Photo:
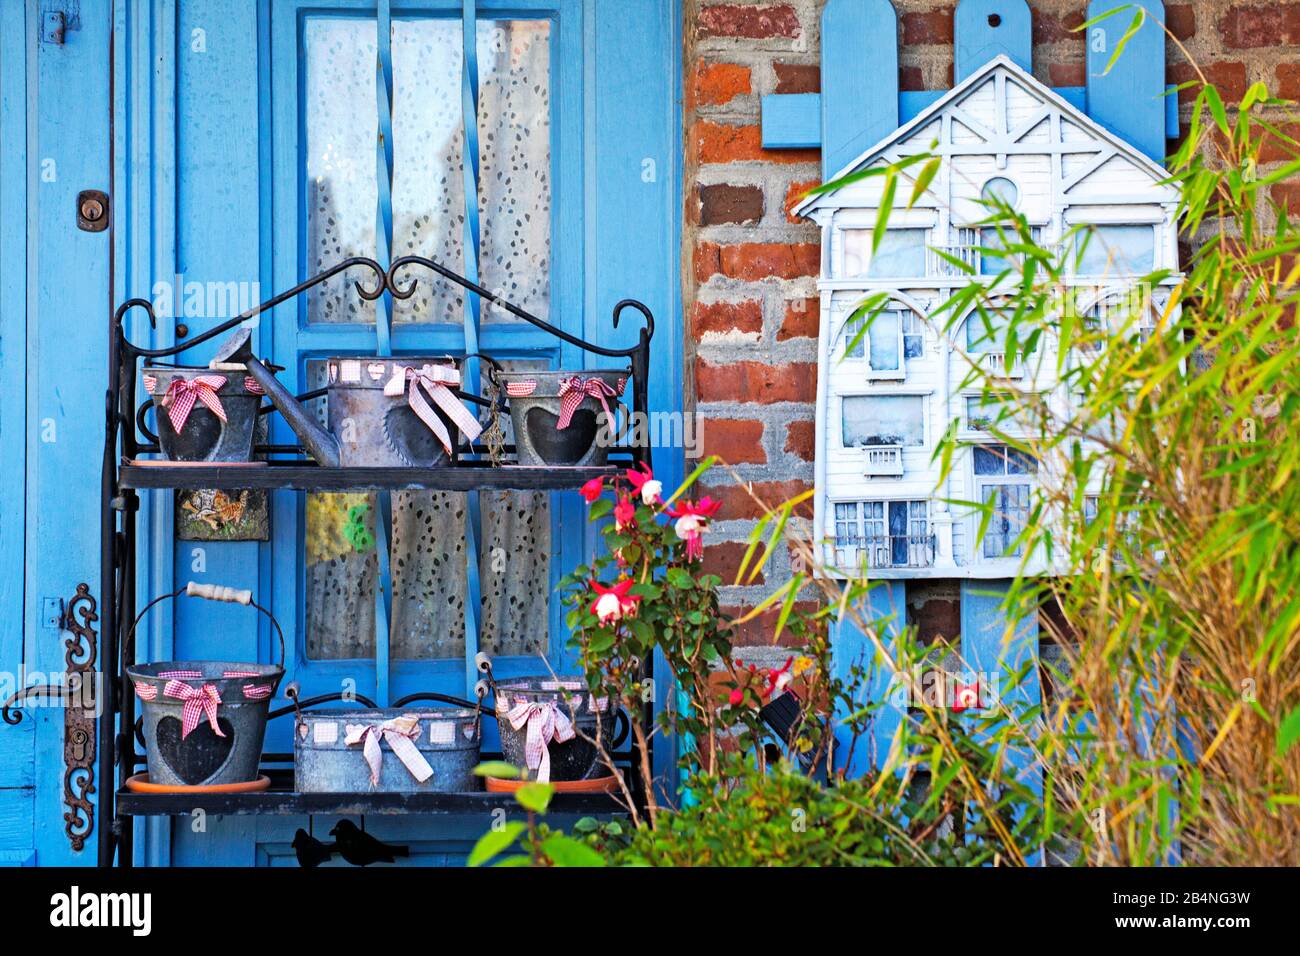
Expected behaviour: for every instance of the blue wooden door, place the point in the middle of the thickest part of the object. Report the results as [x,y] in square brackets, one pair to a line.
[54,296]
[264,141]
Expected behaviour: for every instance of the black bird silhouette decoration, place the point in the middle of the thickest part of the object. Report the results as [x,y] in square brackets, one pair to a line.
[360,848]
[310,851]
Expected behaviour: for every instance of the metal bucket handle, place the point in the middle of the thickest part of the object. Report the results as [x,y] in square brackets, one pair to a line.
[212,592]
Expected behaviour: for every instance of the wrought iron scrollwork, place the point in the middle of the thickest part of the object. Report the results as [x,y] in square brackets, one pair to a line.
[80,655]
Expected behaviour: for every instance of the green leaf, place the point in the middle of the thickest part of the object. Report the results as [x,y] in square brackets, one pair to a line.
[534,796]
[923,181]
[566,851]
[1289,732]
[680,579]
[601,641]
[1216,110]
[600,508]
[886,207]
[497,768]
[494,842]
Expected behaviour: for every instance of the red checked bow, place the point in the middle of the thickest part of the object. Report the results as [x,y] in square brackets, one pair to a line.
[182,393]
[576,388]
[546,722]
[198,700]
[433,381]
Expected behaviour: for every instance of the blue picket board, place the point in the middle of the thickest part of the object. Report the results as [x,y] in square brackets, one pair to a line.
[985,29]
[859,78]
[886,602]
[987,650]
[1128,99]
[792,120]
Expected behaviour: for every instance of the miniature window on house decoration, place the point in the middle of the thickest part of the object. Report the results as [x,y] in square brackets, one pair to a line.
[1004,479]
[897,420]
[885,341]
[1114,250]
[901,254]
[883,534]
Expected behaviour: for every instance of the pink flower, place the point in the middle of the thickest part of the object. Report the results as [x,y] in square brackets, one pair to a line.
[614,604]
[737,697]
[965,697]
[592,489]
[624,514]
[692,522]
[643,483]
[779,679]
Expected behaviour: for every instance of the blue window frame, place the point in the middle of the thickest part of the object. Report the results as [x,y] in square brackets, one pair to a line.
[329,193]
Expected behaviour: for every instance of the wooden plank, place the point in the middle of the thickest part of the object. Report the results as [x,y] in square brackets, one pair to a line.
[985,29]
[859,78]
[996,649]
[349,804]
[13,332]
[314,478]
[886,603]
[792,120]
[1128,99]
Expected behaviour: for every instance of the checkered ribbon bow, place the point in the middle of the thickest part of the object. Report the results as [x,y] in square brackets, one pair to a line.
[546,722]
[433,380]
[400,733]
[182,393]
[199,701]
[576,388]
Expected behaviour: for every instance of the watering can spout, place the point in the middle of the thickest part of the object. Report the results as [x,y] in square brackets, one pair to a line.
[322,446]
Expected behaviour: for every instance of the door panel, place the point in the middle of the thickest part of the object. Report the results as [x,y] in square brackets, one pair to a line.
[54,297]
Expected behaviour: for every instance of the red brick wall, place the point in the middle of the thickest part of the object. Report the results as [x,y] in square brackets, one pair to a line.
[750,292]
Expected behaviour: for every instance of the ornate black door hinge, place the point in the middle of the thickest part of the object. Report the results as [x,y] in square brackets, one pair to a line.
[80,706]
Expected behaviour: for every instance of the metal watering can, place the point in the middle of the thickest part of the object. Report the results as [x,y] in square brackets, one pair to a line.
[381,412]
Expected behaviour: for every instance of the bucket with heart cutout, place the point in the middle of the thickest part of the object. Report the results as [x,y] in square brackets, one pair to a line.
[204,721]
[563,418]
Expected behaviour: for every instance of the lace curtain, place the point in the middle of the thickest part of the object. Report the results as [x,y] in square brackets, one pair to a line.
[428,528]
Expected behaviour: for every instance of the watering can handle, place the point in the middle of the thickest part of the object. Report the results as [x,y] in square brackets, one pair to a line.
[217,592]
[213,592]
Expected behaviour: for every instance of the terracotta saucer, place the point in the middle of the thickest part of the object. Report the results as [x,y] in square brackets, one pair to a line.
[595,785]
[140,784]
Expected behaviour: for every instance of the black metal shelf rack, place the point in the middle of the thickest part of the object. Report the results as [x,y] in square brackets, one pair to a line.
[124,475]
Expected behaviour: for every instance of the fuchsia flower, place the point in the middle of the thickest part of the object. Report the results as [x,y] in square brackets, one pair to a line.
[643,483]
[692,522]
[624,514]
[779,679]
[614,604]
[592,489]
[737,697]
[965,697]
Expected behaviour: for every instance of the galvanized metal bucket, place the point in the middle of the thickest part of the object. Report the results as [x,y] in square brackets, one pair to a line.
[189,402]
[563,418]
[533,703]
[204,721]
[435,751]
[379,412]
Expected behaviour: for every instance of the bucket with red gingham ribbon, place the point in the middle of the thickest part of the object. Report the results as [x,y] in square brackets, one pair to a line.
[565,418]
[203,414]
[548,727]
[204,721]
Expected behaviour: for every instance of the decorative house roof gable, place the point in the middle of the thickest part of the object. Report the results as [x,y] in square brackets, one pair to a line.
[1047,123]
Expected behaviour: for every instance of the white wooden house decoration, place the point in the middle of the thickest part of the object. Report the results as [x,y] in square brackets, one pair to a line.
[883,405]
